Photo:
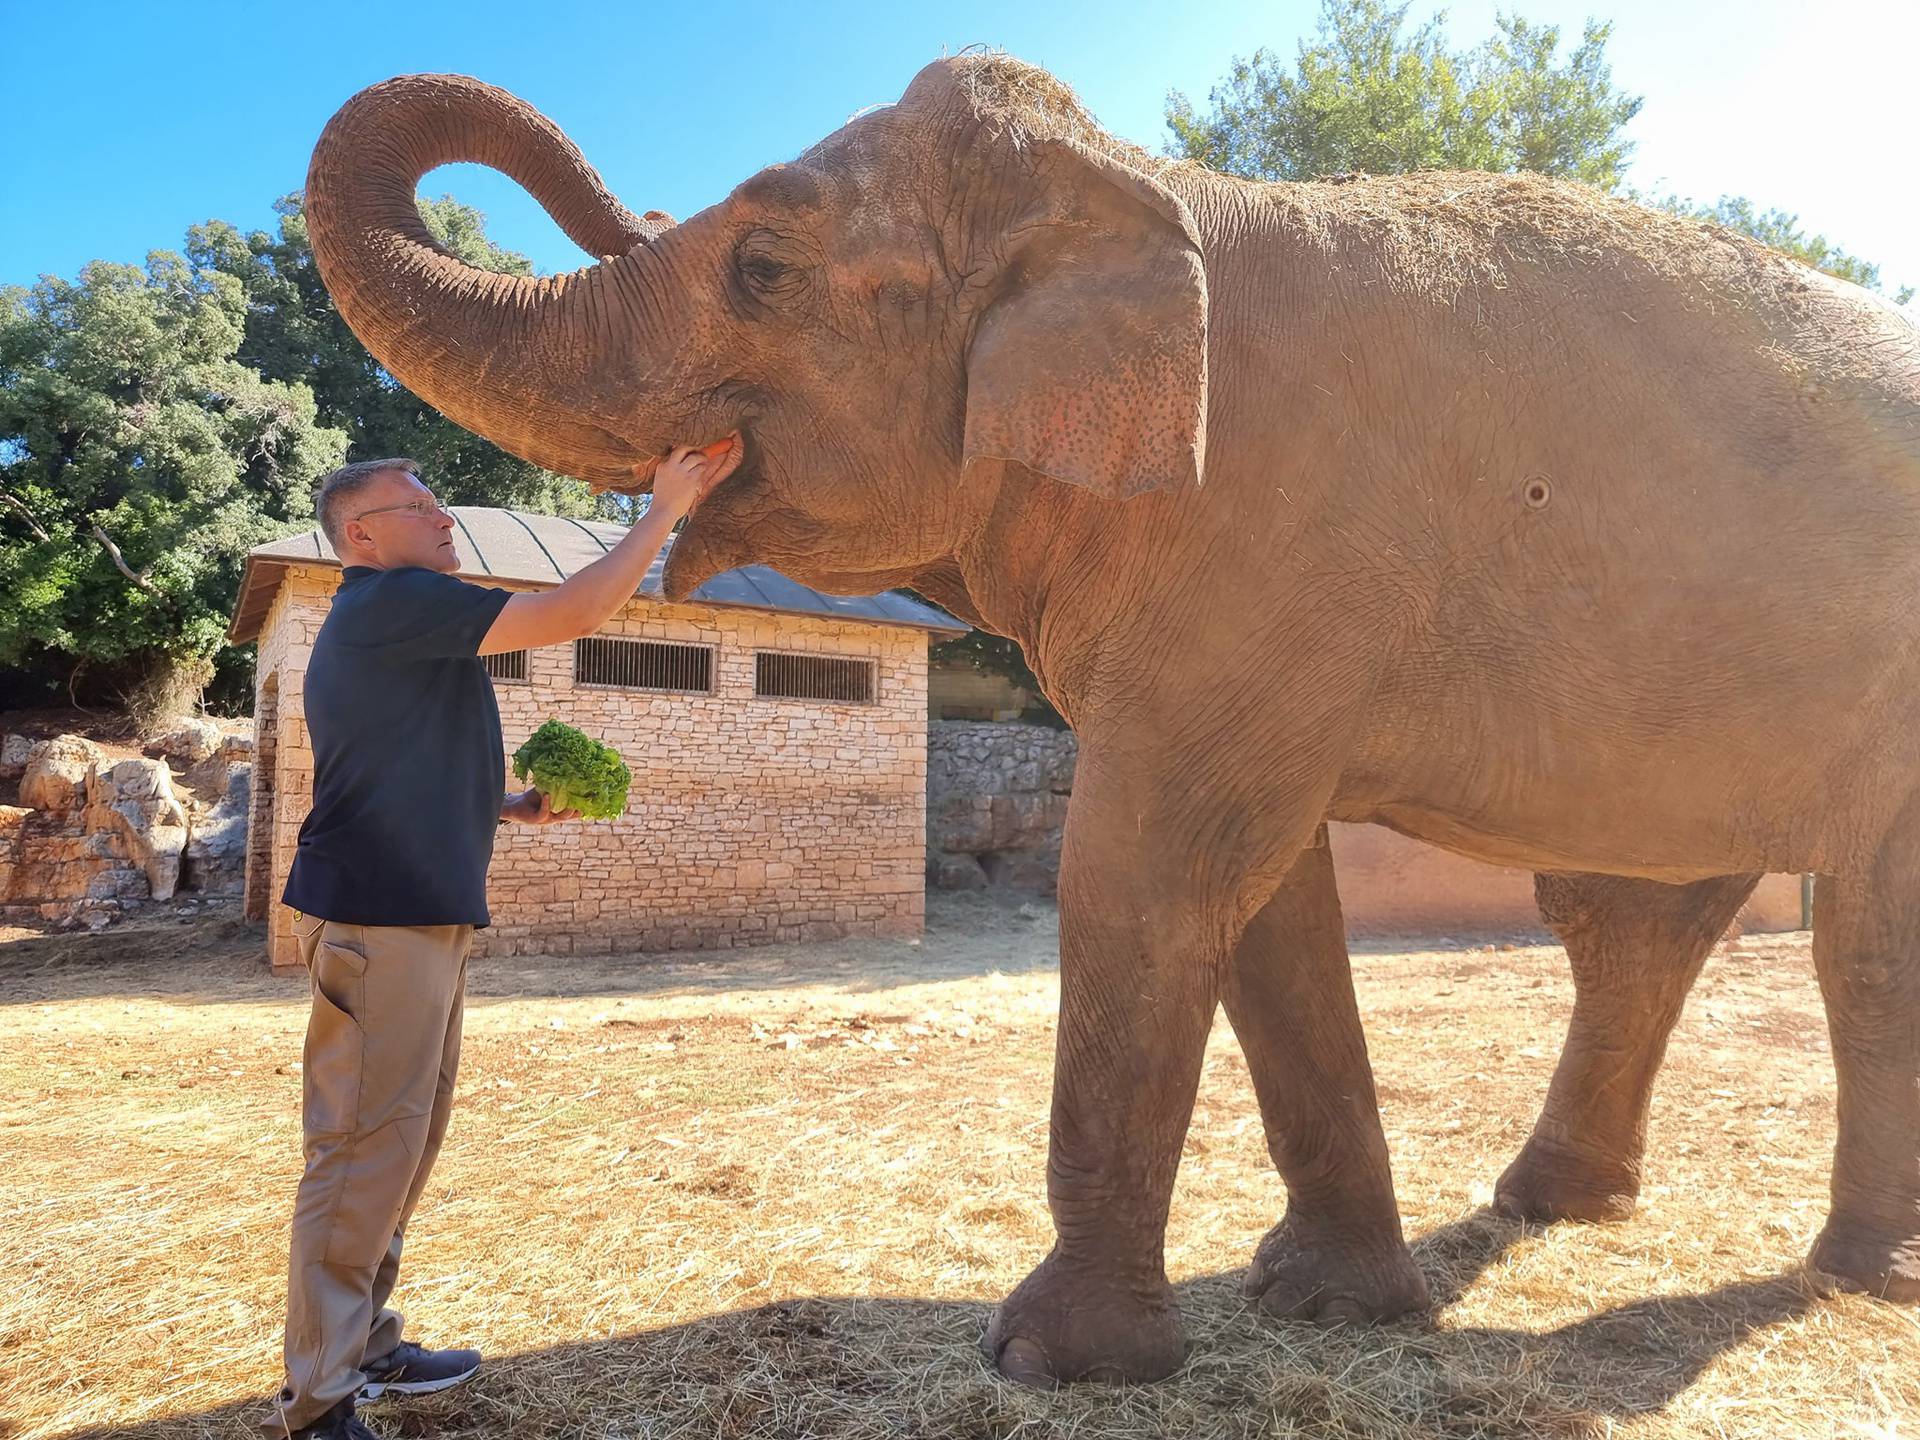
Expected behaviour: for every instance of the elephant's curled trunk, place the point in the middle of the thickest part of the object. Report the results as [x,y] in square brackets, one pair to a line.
[511,357]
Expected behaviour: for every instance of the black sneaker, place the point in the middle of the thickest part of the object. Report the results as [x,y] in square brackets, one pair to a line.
[410,1369]
[337,1424]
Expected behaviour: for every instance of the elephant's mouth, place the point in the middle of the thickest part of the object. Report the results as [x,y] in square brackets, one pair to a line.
[708,536]
[637,478]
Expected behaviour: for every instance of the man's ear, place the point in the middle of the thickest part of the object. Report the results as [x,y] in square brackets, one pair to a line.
[1091,364]
[355,540]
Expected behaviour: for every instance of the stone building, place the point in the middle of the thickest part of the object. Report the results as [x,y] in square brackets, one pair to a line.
[777,738]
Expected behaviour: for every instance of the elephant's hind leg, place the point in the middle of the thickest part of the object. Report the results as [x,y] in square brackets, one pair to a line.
[1338,1254]
[1636,947]
[1866,949]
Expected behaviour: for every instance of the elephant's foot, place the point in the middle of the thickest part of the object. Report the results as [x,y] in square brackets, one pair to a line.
[1884,1265]
[1546,1183]
[1065,1323]
[1300,1273]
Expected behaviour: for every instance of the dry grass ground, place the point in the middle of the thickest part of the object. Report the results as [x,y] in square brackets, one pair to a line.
[775,1194]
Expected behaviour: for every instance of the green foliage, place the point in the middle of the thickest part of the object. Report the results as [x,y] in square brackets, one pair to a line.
[997,655]
[139,459]
[1782,231]
[294,333]
[1367,95]
[157,423]
[574,771]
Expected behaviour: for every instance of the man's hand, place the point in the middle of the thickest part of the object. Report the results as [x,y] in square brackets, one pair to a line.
[532,807]
[582,604]
[683,479]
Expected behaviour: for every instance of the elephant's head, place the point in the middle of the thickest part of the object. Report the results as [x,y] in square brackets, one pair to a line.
[975,273]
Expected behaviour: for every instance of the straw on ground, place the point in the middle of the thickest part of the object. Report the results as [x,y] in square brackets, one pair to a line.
[775,1194]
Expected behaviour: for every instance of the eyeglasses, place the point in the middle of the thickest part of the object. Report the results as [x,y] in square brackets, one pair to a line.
[424,509]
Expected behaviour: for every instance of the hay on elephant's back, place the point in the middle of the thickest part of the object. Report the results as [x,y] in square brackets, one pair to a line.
[1030,104]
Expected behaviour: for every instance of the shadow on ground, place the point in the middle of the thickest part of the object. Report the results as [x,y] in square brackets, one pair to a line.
[863,1368]
[211,956]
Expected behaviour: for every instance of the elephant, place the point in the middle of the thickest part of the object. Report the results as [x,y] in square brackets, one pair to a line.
[1521,519]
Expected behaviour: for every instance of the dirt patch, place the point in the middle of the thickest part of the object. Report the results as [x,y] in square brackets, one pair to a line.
[777,1193]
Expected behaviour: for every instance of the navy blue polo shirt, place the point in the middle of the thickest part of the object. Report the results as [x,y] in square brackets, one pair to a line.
[409,767]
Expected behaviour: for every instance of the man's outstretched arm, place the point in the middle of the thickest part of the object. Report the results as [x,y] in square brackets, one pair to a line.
[586,601]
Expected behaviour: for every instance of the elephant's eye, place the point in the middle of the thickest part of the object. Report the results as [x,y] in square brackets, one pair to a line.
[767,264]
[764,270]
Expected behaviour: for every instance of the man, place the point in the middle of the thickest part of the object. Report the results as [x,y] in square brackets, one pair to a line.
[388,884]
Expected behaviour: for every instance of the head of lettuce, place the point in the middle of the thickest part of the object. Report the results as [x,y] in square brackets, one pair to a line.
[574,771]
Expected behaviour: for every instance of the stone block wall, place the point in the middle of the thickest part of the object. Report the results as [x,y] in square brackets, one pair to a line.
[997,802]
[283,764]
[750,820]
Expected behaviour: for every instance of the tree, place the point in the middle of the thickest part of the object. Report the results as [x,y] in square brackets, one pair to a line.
[1366,95]
[155,424]
[1782,231]
[139,460]
[294,334]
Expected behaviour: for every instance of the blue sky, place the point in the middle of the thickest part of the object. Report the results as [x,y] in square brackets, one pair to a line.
[122,124]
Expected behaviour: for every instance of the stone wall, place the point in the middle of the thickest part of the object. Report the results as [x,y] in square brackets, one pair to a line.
[997,801]
[283,772]
[996,804]
[749,819]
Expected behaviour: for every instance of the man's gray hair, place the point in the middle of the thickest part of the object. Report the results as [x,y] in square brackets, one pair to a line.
[333,500]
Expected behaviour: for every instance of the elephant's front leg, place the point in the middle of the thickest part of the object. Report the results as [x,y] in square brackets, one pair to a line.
[1338,1254]
[1142,949]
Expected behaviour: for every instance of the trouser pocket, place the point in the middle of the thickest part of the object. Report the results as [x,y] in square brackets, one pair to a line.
[333,1060]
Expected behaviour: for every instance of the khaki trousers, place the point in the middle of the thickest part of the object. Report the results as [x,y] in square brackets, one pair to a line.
[383,1044]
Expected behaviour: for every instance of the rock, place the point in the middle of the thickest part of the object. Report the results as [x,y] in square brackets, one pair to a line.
[57,773]
[211,778]
[138,797]
[14,750]
[961,823]
[119,883]
[955,872]
[216,856]
[1035,873]
[998,792]
[1060,765]
[191,739]
[13,829]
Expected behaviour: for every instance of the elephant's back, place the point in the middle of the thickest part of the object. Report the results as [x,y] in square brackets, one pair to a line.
[1561,278]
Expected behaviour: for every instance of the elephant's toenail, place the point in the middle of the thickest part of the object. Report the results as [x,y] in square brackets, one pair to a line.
[1025,1363]
[1344,1310]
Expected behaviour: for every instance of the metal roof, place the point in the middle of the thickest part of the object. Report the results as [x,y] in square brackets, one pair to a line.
[546,549]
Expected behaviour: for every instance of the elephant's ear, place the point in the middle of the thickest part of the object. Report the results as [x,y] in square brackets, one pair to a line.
[1091,364]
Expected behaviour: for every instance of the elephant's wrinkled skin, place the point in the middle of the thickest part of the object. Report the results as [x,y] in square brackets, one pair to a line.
[1516,518]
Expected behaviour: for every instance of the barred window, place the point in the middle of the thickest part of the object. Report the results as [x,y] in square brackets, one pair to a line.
[780,675]
[509,665]
[643,665]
